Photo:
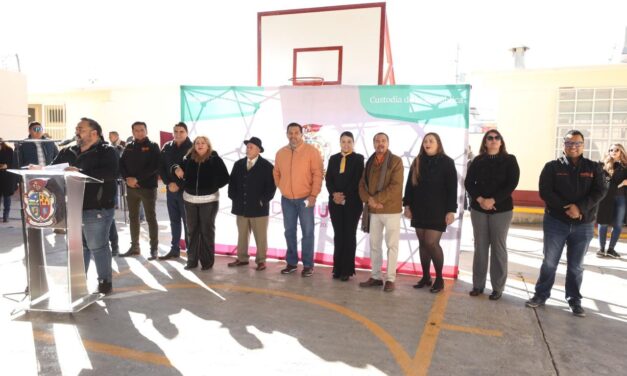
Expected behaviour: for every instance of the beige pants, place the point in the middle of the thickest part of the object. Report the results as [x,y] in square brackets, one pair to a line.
[259,228]
[391,224]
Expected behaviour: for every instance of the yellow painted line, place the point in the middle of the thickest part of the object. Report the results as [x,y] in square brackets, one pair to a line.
[117,351]
[472,330]
[528,210]
[402,358]
[419,365]
[426,347]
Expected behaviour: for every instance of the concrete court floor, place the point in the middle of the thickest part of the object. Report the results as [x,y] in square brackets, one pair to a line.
[164,320]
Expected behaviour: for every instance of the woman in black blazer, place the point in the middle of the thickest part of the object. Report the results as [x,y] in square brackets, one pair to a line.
[342,180]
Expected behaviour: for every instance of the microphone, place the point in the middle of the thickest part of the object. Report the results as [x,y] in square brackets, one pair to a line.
[68,141]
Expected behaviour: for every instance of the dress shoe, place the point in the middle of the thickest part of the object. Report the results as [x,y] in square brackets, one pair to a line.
[422,283]
[535,302]
[475,292]
[335,276]
[438,285]
[261,266]
[153,256]
[371,282]
[389,286]
[344,278]
[237,263]
[190,267]
[496,295]
[206,267]
[131,252]
[170,255]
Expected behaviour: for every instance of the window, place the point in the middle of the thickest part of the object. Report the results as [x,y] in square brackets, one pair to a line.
[600,114]
[54,123]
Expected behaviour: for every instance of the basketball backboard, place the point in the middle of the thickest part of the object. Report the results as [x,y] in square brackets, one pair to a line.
[345,44]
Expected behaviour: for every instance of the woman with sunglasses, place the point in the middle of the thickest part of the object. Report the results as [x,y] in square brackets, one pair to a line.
[612,207]
[490,180]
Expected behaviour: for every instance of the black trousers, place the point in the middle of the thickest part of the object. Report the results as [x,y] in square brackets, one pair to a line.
[344,219]
[201,232]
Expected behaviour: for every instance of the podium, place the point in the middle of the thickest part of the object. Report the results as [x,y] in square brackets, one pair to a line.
[53,199]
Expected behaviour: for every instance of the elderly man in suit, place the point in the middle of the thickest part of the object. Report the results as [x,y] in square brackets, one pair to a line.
[251,188]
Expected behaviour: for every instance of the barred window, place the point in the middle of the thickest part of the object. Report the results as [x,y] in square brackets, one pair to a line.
[54,122]
[599,113]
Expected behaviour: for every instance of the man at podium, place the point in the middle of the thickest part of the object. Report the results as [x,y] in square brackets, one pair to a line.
[93,157]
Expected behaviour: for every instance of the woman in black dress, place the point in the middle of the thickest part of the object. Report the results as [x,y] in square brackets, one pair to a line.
[431,203]
[342,180]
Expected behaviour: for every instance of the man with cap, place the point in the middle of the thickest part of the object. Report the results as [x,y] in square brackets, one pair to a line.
[251,188]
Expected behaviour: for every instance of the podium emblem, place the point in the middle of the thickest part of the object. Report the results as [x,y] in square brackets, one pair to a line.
[40,204]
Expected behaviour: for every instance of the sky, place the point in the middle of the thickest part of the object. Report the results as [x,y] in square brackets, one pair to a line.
[67,44]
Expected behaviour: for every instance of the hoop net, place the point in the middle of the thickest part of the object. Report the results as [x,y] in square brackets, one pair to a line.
[307,81]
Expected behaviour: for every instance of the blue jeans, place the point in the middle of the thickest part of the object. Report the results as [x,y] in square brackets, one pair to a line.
[294,210]
[176,212]
[617,223]
[577,238]
[113,235]
[96,226]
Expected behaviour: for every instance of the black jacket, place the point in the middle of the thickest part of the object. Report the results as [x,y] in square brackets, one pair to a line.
[436,192]
[606,206]
[26,152]
[205,178]
[100,162]
[562,183]
[140,160]
[492,176]
[252,191]
[348,182]
[8,181]
[171,155]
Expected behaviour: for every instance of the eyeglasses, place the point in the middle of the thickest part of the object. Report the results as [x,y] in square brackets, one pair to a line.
[570,144]
[493,138]
[613,150]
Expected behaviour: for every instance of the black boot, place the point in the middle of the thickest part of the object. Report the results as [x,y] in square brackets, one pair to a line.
[105,287]
[438,285]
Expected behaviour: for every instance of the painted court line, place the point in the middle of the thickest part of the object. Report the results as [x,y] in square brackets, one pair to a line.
[418,365]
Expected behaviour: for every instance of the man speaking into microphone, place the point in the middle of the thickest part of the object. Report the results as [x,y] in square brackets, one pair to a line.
[95,158]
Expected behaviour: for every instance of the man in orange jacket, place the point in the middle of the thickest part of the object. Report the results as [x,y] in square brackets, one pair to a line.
[298,175]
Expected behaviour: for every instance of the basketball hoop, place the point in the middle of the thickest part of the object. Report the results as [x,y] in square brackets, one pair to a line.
[307,81]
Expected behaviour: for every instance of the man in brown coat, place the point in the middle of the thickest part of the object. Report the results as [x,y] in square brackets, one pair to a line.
[381,187]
